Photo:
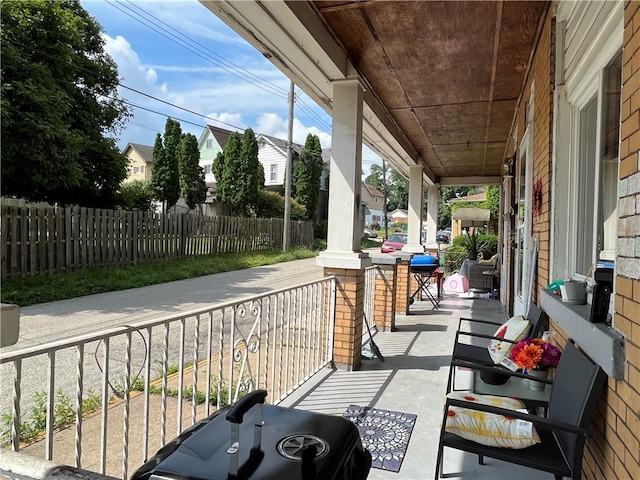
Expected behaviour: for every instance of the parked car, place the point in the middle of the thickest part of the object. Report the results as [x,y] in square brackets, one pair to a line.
[395,242]
[443,236]
[369,234]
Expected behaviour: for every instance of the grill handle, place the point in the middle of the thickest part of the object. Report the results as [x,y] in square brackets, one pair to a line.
[242,406]
[235,416]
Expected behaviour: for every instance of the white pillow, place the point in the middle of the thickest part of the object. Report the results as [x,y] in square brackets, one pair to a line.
[515,329]
[489,428]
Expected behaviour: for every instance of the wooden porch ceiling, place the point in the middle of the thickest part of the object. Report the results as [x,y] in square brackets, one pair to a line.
[442,78]
[449,73]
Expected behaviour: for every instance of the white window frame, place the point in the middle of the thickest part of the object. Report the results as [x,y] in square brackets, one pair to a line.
[209,143]
[592,88]
[524,228]
[273,172]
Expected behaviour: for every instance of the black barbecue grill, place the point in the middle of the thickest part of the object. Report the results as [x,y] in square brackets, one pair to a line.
[422,268]
[280,443]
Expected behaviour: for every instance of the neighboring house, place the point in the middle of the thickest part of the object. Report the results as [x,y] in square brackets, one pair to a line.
[140,161]
[399,216]
[272,154]
[373,204]
[211,142]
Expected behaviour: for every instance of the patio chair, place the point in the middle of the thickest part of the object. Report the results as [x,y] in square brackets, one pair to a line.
[465,353]
[562,433]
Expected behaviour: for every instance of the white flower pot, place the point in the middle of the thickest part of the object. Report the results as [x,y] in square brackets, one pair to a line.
[534,385]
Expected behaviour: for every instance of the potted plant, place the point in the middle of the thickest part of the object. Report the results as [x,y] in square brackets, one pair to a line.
[472,245]
[535,357]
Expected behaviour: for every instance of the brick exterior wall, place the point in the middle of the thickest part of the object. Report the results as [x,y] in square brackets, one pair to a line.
[347,339]
[614,452]
[541,78]
[617,453]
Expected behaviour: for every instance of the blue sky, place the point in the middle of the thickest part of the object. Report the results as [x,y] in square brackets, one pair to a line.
[179,52]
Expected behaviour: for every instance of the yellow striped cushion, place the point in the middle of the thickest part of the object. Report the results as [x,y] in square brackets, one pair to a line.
[489,428]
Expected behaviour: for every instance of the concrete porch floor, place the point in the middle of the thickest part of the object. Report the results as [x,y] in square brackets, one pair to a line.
[412,379]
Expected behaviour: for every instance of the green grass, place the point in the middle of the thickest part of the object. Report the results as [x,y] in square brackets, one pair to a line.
[27,291]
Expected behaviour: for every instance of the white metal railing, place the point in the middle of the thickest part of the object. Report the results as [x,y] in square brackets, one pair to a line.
[150,375]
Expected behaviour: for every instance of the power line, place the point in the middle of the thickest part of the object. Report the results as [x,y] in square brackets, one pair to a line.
[234,69]
[188,45]
[179,107]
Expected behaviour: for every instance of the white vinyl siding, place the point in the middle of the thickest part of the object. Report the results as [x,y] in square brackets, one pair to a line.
[272,158]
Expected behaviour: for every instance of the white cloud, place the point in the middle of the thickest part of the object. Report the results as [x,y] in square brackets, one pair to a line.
[226,120]
[130,69]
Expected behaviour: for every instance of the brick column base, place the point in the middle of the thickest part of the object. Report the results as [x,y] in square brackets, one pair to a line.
[384,300]
[403,286]
[347,336]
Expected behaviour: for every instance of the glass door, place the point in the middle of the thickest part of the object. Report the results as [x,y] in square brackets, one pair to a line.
[522,283]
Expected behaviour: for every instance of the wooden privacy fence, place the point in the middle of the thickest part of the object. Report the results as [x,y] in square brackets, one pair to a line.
[39,240]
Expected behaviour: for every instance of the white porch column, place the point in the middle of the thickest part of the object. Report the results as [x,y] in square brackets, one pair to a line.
[344,223]
[432,216]
[415,211]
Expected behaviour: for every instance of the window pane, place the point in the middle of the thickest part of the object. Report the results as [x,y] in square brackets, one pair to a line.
[585,187]
[611,108]
[607,233]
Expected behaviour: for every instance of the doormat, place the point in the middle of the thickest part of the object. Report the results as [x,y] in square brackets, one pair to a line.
[384,433]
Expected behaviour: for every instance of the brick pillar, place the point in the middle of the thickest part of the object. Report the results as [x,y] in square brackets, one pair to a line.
[403,284]
[347,338]
[384,297]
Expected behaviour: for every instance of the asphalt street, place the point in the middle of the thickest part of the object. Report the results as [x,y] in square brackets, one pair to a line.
[48,322]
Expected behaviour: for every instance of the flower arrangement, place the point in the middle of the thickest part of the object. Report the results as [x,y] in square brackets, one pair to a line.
[535,354]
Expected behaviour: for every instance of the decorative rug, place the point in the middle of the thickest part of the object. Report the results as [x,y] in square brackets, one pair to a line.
[384,433]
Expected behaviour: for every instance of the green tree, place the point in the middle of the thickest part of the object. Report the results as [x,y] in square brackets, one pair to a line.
[306,174]
[192,184]
[223,169]
[59,106]
[250,174]
[136,195]
[398,192]
[239,174]
[165,177]
[271,205]
[376,178]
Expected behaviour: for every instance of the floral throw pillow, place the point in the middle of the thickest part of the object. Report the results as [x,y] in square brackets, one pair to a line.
[515,329]
[489,428]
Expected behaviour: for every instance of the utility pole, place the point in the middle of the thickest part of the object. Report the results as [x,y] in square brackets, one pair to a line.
[286,233]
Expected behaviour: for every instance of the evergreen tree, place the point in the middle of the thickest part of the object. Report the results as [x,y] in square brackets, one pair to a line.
[59,106]
[225,170]
[192,184]
[306,173]
[250,174]
[165,177]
